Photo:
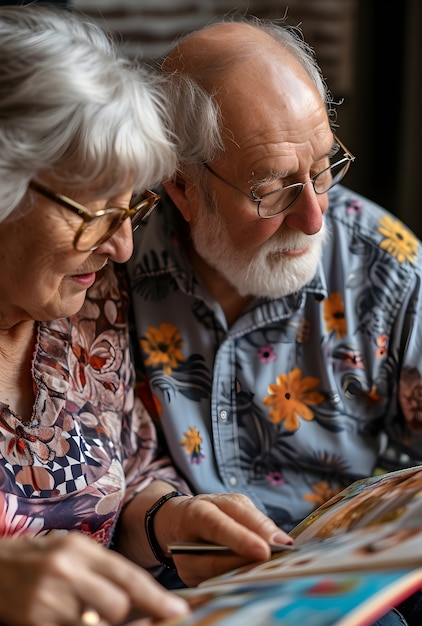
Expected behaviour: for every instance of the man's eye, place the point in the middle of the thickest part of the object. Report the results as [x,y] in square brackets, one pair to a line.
[269,188]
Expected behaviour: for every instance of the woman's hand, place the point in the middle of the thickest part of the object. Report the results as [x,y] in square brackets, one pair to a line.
[50,580]
[228,519]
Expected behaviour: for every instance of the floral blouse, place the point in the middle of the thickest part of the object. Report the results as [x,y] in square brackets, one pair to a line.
[89,445]
[302,394]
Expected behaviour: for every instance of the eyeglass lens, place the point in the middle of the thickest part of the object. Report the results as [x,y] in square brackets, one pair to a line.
[99,229]
[144,208]
[278,201]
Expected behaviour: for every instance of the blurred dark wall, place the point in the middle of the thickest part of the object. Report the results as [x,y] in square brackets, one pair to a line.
[383,116]
[5,3]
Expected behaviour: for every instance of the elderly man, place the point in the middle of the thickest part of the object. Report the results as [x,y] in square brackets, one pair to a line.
[278,313]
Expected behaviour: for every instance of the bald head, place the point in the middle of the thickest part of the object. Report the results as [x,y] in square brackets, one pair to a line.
[208,55]
[233,75]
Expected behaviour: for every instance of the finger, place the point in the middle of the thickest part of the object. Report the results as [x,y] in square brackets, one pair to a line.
[158,602]
[247,514]
[107,582]
[207,522]
[234,521]
[194,569]
[124,585]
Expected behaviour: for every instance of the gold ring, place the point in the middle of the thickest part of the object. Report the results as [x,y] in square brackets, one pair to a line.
[90,617]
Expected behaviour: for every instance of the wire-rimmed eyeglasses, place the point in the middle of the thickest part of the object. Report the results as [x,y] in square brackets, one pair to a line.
[98,226]
[275,202]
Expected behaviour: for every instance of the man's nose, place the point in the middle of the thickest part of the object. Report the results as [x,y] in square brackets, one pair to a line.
[306,213]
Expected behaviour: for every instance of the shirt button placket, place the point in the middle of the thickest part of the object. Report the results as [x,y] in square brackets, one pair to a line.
[223,415]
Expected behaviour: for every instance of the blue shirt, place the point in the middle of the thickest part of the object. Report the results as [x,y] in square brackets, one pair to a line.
[302,394]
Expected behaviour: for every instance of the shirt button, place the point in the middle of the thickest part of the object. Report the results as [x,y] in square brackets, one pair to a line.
[233,481]
[223,415]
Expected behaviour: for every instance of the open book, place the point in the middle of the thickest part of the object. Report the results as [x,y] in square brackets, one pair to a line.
[354,558]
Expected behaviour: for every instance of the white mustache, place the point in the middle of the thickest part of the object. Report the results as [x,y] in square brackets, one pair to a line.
[289,241]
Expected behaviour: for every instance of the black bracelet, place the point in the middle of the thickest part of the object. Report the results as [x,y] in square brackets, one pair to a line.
[149,529]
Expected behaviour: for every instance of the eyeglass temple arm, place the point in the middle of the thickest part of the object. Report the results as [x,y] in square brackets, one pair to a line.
[252,197]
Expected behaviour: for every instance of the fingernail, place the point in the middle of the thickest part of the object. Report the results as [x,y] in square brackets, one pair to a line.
[282,538]
[178,606]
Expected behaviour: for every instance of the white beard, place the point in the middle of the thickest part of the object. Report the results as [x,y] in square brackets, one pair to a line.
[264,273]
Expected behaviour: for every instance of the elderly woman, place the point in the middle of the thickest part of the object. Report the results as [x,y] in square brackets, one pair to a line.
[79,131]
[82,135]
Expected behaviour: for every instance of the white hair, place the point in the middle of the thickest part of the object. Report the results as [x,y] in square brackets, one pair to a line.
[73,108]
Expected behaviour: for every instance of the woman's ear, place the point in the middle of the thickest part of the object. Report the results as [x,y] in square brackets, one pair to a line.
[182,194]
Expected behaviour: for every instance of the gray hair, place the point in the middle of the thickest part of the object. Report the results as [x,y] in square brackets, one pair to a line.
[73,108]
[195,111]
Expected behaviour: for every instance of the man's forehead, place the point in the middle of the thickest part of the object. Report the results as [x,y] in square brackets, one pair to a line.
[253,100]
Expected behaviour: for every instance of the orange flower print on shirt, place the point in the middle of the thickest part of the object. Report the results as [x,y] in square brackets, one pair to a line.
[163,345]
[334,318]
[192,444]
[289,398]
[321,493]
[399,242]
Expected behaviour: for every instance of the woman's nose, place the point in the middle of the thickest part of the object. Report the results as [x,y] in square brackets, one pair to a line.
[119,246]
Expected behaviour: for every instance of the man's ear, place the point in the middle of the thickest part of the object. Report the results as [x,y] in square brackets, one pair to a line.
[182,194]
